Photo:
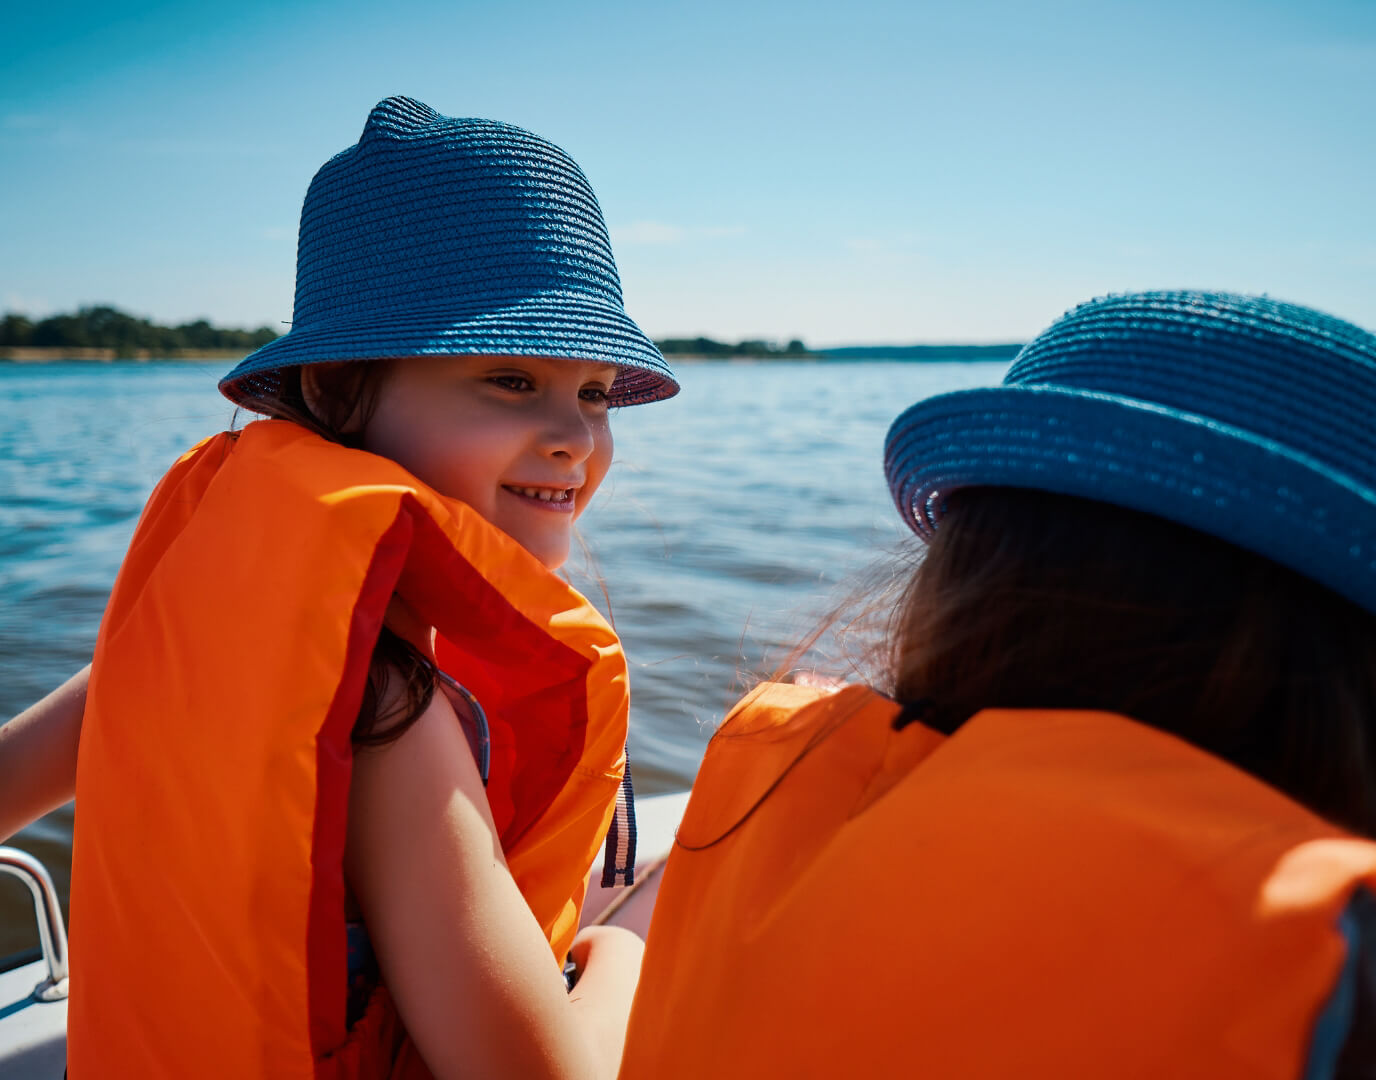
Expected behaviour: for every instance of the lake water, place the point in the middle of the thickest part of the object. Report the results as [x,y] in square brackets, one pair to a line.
[730,517]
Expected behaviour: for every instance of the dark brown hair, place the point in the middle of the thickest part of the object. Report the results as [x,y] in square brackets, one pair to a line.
[345,396]
[1031,600]
[401,679]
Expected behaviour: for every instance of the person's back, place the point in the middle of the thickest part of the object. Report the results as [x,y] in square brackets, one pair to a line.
[1113,820]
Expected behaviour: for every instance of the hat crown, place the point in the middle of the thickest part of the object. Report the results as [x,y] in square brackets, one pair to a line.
[437,236]
[1241,417]
[1282,372]
[428,211]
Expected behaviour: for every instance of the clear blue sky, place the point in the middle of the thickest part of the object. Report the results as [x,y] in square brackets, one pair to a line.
[844,172]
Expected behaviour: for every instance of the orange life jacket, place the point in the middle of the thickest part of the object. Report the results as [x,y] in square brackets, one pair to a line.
[1043,894]
[208,919]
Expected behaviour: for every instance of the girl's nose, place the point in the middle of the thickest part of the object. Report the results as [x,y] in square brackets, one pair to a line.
[568,431]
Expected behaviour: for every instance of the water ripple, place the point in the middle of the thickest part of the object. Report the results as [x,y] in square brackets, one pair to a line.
[729,515]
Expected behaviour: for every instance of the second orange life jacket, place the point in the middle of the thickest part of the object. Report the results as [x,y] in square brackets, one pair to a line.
[1043,894]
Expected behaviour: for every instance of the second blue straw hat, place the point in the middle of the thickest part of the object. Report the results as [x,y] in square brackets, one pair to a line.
[441,236]
[1243,417]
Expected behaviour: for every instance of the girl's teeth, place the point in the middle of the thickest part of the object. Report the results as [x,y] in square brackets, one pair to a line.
[543,494]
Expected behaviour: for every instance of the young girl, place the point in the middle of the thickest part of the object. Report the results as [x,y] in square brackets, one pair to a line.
[293,856]
[1114,816]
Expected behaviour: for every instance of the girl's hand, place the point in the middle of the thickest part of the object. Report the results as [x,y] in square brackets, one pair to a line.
[608,961]
[817,680]
[609,946]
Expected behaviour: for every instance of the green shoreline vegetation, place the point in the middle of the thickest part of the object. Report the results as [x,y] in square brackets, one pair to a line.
[106,333]
[117,335]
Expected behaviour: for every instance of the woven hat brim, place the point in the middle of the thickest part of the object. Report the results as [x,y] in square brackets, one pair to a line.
[1217,479]
[556,326]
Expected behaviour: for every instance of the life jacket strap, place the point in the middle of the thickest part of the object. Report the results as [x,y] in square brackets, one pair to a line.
[478,733]
[618,861]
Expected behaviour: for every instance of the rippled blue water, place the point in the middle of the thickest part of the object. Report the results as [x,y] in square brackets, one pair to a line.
[728,517]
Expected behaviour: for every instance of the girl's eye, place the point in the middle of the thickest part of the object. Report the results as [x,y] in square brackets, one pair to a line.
[512,382]
[596,394]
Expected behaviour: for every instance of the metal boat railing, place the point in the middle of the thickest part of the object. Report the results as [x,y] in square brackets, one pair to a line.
[52,931]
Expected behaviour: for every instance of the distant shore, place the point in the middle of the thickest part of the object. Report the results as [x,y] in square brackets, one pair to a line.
[58,354]
[855,354]
[106,335]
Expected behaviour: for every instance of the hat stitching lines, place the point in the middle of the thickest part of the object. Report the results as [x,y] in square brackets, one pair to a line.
[435,235]
[1242,417]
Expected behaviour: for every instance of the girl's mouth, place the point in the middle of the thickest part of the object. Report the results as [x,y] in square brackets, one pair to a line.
[547,498]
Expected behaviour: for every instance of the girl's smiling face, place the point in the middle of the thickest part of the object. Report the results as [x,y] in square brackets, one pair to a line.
[522,440]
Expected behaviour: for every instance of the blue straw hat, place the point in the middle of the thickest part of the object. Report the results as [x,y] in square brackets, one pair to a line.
[1241,417]
[442,236]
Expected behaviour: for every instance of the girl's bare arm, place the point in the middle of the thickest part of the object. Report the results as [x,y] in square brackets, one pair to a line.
[38,755]
[462,955]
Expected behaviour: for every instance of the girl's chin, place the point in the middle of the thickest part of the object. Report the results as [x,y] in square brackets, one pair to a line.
[552,564]
[551,552]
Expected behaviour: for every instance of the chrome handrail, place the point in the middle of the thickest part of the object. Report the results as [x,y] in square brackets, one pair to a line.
[52,931]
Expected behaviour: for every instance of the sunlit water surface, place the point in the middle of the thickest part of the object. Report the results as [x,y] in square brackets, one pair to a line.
[732,517]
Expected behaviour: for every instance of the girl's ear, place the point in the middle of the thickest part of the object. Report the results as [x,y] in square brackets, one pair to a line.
[321,386]
[311,392]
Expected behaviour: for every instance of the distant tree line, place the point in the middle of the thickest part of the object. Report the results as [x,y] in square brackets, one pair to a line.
[930,353]
[701,346]
[109,328]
